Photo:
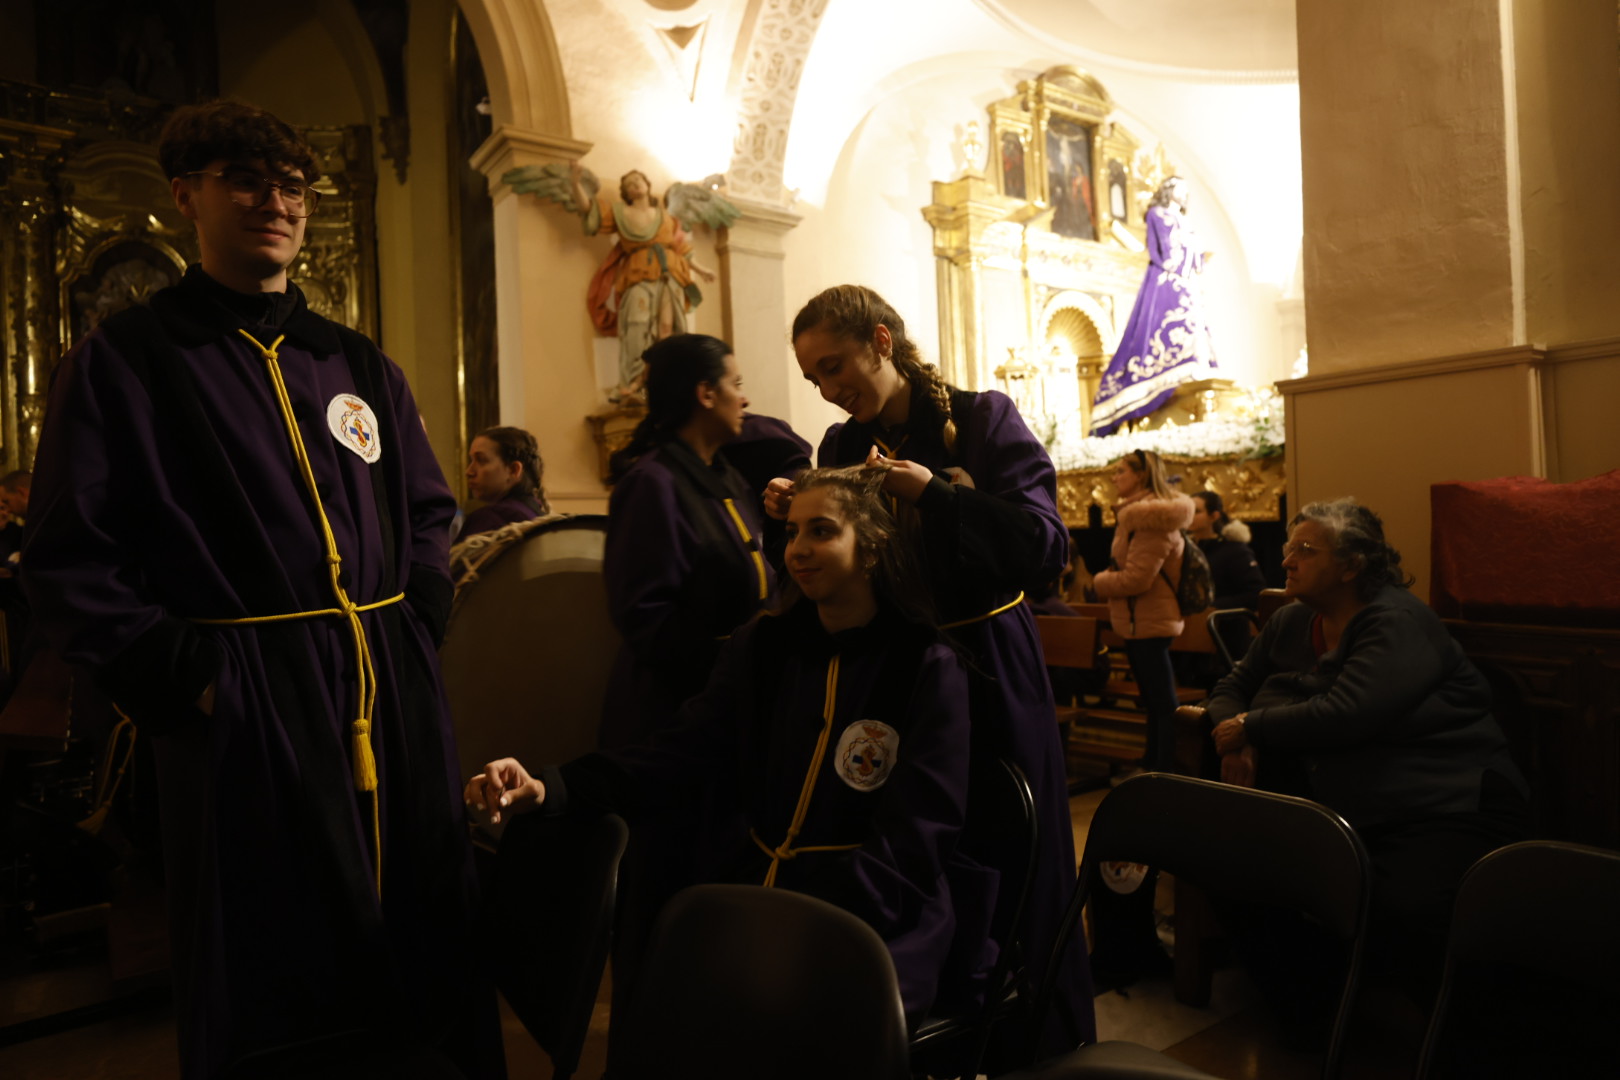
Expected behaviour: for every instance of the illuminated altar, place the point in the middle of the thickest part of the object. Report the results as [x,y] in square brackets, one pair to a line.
[1039,257]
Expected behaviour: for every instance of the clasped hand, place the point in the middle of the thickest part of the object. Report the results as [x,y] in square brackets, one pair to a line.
[504,785]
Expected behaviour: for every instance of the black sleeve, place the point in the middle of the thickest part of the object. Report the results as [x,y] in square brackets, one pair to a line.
[157,680]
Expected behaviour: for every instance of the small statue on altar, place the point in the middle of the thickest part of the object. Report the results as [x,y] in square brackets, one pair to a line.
[644,289]
[1166,342]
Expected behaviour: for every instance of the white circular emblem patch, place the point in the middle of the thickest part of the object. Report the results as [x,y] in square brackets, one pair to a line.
[354,425]
[1123,877]
[866,753]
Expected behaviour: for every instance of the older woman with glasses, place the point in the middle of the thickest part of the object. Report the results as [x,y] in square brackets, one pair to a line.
[1358,697]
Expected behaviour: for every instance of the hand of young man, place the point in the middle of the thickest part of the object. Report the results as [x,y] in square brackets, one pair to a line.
[778,496]
[503,786]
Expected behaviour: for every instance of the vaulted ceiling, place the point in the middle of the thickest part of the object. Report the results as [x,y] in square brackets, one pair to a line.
[1223,35]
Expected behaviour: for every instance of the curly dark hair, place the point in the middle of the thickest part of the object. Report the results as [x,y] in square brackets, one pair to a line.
[515,444]
[233,131]
[884,540]
[1358,542]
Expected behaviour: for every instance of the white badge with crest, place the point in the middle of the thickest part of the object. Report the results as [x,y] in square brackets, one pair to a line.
[354,425]
[866,753]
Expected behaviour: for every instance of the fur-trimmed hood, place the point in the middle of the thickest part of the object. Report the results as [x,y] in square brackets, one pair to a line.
[1157,515]
[1237,532]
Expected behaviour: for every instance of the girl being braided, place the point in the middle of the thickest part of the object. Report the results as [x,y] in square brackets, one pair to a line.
[984,490]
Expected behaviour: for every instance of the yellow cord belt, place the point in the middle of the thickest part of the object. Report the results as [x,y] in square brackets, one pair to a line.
[1008,606]
[364,762]
[785,850]
[753,548]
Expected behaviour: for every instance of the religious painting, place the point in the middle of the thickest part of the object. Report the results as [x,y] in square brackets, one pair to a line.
[1068,179]
[1118,205]
[1012,166]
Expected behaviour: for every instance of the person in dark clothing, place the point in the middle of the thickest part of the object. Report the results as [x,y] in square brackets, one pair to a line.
[241,530]
[985,494]
[1225,543]
[1359,698]
[683,565]
[504,470]
[838,727]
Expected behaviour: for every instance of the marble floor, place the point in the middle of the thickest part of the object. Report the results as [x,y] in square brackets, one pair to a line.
[1230,1038]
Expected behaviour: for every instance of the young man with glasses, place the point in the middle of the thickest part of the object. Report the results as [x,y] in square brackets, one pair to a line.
[241,530]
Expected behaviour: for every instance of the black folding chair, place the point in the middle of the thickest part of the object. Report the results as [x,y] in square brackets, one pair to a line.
[1230,627]
[556,882]
[742,982]
[1001,827]
[1245,845]
[1530,986]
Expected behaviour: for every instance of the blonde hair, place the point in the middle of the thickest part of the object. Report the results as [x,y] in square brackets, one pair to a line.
[1150,467]
[855,311]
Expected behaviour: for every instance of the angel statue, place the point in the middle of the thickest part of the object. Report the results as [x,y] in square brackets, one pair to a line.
[643,290]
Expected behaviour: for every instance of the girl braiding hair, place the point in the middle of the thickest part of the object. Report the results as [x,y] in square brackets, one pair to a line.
[856,311]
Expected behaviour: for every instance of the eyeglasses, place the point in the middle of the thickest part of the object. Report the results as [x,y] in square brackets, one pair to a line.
[1299,548]
[250,190]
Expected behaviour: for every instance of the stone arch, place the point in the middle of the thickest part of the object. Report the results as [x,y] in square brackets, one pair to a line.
[521,63]
[778,38]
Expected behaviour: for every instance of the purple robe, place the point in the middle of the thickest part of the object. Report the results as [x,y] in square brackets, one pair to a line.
[1166,342]
[680,578]
[508,509]
[166,491]
[982,546]
[891,784]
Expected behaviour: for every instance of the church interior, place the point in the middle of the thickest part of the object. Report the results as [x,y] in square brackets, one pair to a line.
[1401,294]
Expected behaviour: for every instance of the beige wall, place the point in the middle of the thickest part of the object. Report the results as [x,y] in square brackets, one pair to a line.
[1461,165]
[1580,395]
[1402,123]
[1568,92]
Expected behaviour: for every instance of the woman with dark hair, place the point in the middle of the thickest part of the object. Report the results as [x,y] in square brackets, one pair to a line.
[504,470]
[683,564]
[984,491]
[1225,543]
[1359,698]
[838,731]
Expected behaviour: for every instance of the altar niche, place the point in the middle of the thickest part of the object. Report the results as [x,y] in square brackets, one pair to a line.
[1040,254]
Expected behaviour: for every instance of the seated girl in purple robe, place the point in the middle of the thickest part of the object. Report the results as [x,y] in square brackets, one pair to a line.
[504,471]
[837,729]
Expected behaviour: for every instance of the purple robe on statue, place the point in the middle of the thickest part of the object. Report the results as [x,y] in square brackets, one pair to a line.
[982,547]
[1166,342]
[166,491]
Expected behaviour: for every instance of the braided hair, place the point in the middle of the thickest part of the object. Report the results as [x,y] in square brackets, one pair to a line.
[514,444]
[676,367]
[856,312]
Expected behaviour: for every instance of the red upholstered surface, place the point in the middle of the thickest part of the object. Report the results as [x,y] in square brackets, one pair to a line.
[1524,549]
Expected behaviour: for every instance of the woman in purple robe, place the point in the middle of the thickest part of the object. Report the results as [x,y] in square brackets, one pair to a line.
[1166,342]
[839,729]
[505,472]
[684,565]
[985,493]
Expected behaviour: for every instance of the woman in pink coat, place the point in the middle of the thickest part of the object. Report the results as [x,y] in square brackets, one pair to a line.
[1139,586]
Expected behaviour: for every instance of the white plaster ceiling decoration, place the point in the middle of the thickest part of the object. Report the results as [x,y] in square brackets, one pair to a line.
[1220,40]
[781,40]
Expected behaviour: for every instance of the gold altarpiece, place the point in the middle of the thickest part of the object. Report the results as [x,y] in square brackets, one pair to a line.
[87,227]
[1039,256]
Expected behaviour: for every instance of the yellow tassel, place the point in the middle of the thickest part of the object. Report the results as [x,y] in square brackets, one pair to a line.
[365,765]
